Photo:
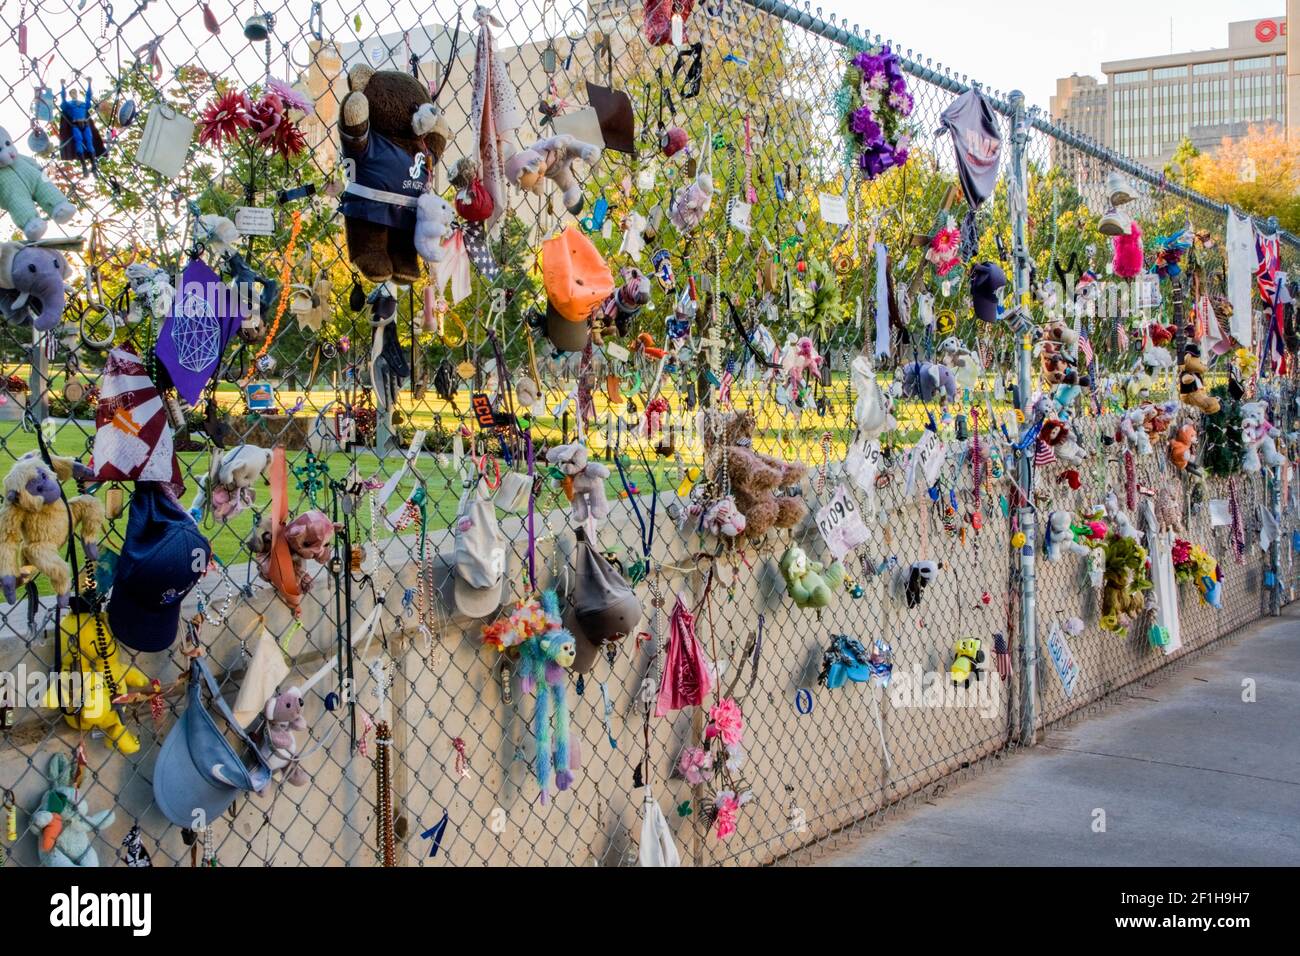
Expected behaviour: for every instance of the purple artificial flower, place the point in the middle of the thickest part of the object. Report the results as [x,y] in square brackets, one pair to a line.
[901,101]
[865,125]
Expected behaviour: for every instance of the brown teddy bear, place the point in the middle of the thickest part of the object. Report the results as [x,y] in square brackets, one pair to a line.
[391,134]
[1191,384]
[754,478]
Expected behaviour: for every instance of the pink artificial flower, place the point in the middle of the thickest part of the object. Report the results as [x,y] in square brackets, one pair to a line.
[726,721]
[1182,551]
[728,806]
[291,98]
[696,765]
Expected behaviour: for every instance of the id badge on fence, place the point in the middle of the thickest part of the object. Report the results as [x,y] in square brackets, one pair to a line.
[840,523]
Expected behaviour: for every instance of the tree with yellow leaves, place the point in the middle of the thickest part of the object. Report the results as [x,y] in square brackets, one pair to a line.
[1258,173]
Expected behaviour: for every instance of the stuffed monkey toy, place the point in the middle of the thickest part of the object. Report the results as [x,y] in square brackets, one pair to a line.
[545,659]
[35,522]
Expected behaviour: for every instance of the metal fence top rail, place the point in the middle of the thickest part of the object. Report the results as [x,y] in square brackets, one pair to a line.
[1007,104]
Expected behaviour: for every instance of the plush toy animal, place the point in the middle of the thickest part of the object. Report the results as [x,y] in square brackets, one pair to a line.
[801,358]
[544,659]
[390,130]
[433,219]
[91,652]
[723,518]
[228,488]
[755,479]
[1256,438]
[910,580]
[1191,384]
[587,479]
[32,285]
[926,380]
[964,363]
[307,536]
[65,825]
[1132,427]
[552,159]
[1124,582]
[1180,446]
[283,715]
[691,203]
[873,408]
[24,188]
[35,522]
[809,583]
[1058,536]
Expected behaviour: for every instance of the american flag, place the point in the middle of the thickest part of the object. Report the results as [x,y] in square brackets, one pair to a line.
[1085,347]
[1043,454]
[1002,656]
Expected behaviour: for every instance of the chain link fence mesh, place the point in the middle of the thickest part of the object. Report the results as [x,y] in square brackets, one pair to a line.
[766,116]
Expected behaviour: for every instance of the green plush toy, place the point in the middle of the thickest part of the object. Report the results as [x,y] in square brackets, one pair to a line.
[1124,582]
[65,826]
[1222,449]
[809,582]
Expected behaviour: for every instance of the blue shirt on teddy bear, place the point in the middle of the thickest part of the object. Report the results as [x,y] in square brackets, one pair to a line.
[387,182]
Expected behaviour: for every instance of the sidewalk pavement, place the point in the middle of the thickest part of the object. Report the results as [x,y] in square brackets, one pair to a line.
[1187,773]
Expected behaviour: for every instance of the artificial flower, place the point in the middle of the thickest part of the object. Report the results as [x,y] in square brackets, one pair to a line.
[291,98]
[224,118]
[696,765]
[945,250]
[726,721]
[727,807]
[735,758]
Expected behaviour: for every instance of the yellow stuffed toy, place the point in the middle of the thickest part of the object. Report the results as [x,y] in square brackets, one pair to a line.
[91,654]
[35,523]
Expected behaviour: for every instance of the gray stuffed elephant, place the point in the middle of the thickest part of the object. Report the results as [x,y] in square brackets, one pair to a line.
[32,284]
[65,827]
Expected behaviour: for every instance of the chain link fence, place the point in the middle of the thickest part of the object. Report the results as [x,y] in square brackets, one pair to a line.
[760,103]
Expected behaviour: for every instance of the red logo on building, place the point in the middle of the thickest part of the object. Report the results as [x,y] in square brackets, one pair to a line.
[1266,31]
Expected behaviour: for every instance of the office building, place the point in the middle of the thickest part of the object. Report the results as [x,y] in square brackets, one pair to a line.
[1152,103]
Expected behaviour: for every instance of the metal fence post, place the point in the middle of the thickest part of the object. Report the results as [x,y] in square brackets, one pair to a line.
[1018,202]
[1275,550]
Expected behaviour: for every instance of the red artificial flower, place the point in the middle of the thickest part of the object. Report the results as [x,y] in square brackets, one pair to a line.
[275,131]
[265,116]
[289,140]
[224,118]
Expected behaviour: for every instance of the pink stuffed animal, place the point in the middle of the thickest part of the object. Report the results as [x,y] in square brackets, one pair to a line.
[691,202]
[1128,261]
[723,518]
[310,535]
[283,716]
[803,358]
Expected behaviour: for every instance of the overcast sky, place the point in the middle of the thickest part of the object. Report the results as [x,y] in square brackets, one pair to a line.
[1028,44]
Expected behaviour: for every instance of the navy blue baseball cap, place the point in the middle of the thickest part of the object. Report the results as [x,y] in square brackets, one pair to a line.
[163,556]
